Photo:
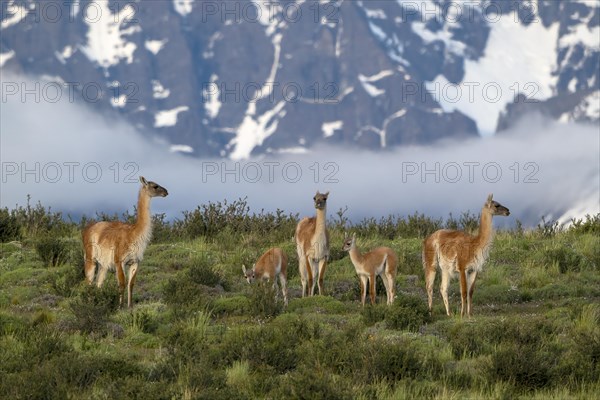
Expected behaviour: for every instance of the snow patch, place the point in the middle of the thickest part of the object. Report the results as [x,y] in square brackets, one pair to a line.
[589,3]
[159,91]
[4,57]
[366,81]
[372,90]
[517,58]
[75,6]
[376,14]
[377,31]
[154,46]
[382,132]
[591,105]
[255,129]
[181,148]
[209,53]
[444,35]
[581,33]
[588,109]
[18,13]
[52,79]
[64,55]
[105,43]
[118,102]
[211,94]
[292,150]
[168,117]
[267,10]
[329,128]
[183,7]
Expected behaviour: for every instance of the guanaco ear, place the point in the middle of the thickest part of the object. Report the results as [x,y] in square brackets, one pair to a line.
[345,235]
[326,194]
[489,199]
[244,269]
[353,236]
[143,181]
[317,193]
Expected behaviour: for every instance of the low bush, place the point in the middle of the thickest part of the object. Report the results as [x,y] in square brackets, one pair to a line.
[313,384]
[263,302]
[565,257]
[93,307]
[407,313]
[591,224]
[53,251]
[371,314]
[67,279]
[234,305]
[10,229]
[194,288]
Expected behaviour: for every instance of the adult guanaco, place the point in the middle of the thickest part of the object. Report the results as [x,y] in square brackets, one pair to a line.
[381,261]
[462,253]
[272,264]
[117,245]
[312,245]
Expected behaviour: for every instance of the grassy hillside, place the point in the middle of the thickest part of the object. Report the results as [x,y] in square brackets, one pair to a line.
[198,330]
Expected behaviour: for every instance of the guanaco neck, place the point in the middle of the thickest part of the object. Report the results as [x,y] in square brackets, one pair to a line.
[320,226]
[485,234]
[355,255]
[143,222]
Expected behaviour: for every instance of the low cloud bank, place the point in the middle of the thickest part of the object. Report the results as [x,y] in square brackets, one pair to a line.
[78,162]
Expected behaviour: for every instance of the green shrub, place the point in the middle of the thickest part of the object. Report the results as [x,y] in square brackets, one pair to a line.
[234,305]
[313,384]
[185,296]
[317,304]
[53,251]
[263,302]
[408,312]
[10,229]
[194,288]
[66,280]
[273,345]
[395,359]
[202,273]
[591,224]
[371,314]
[566,258]
[93,307]
[524,364]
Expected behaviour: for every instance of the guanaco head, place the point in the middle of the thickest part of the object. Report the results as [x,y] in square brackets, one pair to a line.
[349,242]
[153,189]
[320,200]
[249,274]
[495,208]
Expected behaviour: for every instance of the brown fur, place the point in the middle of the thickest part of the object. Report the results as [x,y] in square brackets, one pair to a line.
[115,245]
[381,261]
[270,265]
[462,253]
[312,245]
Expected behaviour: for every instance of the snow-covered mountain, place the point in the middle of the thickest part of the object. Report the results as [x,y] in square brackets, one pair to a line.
[241,77]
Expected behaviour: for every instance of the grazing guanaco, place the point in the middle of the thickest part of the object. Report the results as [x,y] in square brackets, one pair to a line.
[381,261]
[462,253]
[116,245]
[312,244]
[270,265]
